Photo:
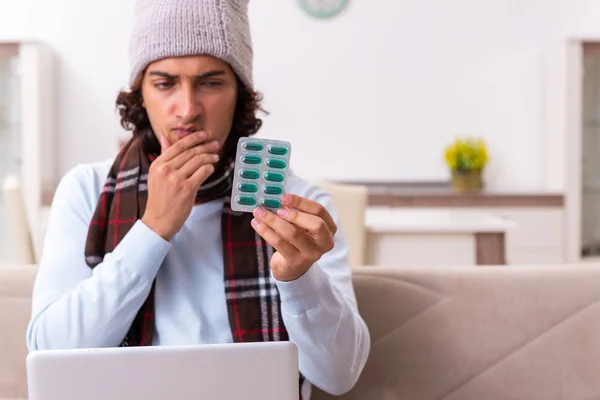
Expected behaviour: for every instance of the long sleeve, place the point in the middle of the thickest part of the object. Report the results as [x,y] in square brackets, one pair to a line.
[321,316]
[73,305]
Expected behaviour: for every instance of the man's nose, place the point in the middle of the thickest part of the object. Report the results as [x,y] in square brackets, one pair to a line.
[190,105]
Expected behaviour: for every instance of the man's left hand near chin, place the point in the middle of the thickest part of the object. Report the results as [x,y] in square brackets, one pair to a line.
[300,232]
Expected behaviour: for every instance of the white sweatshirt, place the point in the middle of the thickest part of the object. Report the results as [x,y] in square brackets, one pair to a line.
[77,307]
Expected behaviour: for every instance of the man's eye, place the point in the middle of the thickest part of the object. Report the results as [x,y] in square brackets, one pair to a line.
[163,85]
[211,84]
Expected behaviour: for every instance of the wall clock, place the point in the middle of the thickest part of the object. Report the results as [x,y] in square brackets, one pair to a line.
[323,8]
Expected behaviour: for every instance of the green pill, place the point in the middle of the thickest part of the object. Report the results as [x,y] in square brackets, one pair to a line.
[274,177]
[248,187]
[276,163]
[252,146]
[271,203]
[254,160]
[278,150]
[246,200]
[249,173]
[274,190]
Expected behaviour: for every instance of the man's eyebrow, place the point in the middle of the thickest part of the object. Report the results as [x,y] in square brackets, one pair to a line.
[162,74]
[205,75]
[210,74]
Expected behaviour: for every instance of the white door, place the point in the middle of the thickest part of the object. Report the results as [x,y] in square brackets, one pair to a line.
[10,148]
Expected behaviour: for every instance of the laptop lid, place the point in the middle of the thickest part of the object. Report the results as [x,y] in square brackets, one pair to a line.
[266,371]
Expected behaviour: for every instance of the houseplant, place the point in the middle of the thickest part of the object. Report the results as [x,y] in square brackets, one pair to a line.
[467,158]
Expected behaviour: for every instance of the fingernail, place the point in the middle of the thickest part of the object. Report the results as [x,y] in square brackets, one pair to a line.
[286,199]
[282,212]
[259,212]
[255,223]
[215,144]
[202,134]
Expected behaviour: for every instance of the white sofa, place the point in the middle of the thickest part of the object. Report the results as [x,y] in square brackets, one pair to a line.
[493,333]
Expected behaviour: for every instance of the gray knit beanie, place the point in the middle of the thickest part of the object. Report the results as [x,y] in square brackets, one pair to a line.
[172,28]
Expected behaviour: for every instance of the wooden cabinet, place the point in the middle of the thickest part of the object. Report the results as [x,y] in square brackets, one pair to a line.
[538,234]
[434,238]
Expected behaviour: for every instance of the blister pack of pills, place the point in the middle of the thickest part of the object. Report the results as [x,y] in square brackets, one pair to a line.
[261,171]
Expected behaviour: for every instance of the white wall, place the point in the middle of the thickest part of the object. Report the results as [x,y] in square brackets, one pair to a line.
[397,89]
[13,19]
[373,94]
[90,39]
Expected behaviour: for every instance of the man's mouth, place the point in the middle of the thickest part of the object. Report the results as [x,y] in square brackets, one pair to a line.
[184,131]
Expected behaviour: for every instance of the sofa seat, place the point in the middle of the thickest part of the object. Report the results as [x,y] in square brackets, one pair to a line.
[473,333]
[493,333]
[16,284]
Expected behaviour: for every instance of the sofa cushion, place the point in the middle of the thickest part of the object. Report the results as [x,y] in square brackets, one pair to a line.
[16,283]
[480,333]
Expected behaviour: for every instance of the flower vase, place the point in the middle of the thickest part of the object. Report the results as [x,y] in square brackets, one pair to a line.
[467,181]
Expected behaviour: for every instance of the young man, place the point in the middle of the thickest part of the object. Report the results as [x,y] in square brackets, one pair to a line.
[145,250]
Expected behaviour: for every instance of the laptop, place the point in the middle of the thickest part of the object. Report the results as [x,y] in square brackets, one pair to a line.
[265,370]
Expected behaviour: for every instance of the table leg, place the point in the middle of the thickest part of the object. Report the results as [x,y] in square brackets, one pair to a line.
[490,248]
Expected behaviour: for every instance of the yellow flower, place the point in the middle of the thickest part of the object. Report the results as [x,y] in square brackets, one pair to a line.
[466,154]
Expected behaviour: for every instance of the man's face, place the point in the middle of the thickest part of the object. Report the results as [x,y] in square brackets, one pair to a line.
[188,94]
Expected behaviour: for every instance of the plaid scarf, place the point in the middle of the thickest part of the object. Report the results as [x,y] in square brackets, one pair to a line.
[253,301]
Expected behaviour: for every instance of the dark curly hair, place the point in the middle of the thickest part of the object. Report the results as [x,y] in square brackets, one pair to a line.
[135,118]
